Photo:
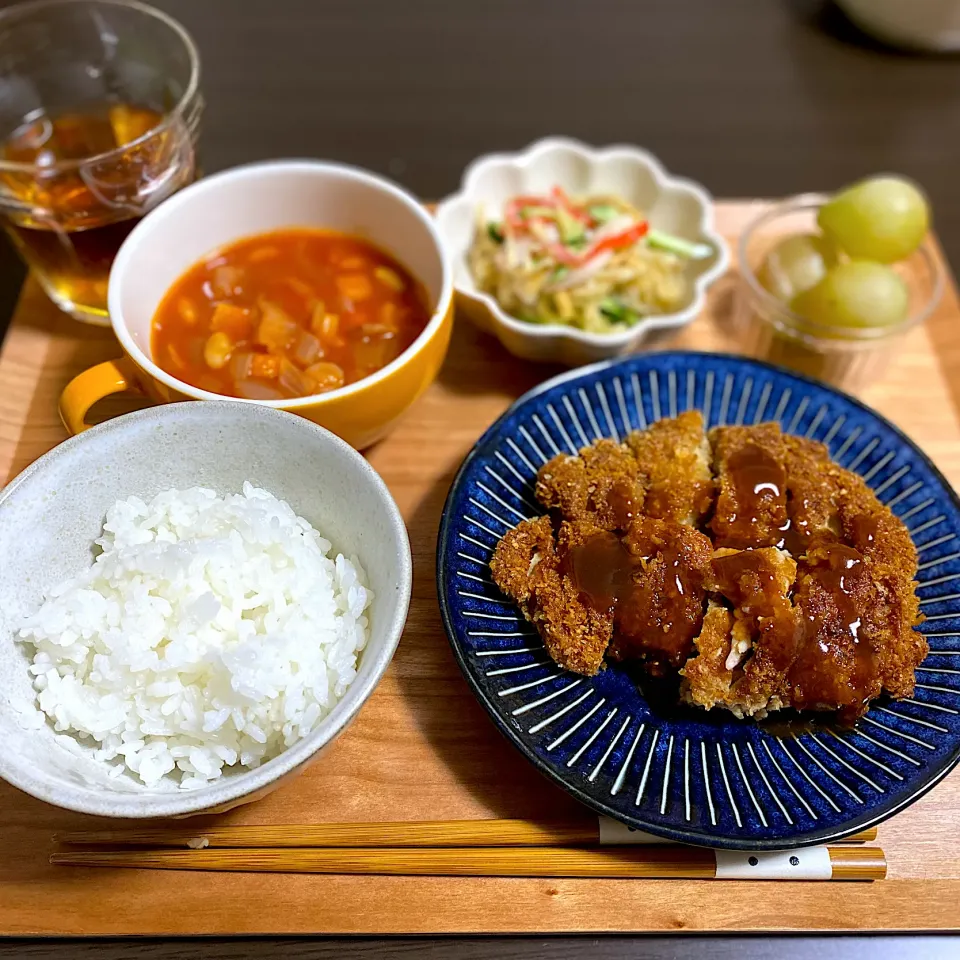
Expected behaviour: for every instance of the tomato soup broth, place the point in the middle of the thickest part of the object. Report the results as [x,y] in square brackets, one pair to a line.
[287,314]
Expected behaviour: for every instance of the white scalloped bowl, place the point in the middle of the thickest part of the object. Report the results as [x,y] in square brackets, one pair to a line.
[672,204]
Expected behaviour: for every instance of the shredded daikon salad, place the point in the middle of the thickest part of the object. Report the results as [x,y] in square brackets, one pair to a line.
[591,262]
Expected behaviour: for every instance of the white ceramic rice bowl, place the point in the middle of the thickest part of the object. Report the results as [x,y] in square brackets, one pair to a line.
[53,512]
[673,204]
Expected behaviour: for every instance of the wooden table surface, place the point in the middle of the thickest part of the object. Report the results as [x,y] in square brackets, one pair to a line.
[751,97]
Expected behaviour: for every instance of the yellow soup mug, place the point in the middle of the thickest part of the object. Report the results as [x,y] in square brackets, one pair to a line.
[255,199]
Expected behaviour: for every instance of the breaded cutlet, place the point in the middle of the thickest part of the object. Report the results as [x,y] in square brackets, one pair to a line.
[858,603]
[662,612]
[763,634]
[837,657]
[890,624]
[708,676]
[751,508]
[521,557]
[674,458]
[870,527]
[527,567]
[803,597]
[601,484]
[891,557]
[814,483]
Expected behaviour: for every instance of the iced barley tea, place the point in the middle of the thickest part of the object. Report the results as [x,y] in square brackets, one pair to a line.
[77,183]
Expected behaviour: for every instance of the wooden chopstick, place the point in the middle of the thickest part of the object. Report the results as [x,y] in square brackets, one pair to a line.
[677,862]
[437,833]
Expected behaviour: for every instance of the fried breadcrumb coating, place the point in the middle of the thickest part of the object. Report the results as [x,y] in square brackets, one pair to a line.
[746,561]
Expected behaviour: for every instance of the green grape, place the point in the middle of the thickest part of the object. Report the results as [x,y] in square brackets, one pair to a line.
[882,219]
[858,293]
[796,264]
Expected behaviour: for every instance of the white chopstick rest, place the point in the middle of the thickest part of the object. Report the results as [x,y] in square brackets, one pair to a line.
[809,863]
[616,834]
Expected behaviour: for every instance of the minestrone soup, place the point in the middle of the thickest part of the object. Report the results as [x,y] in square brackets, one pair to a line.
[287,314]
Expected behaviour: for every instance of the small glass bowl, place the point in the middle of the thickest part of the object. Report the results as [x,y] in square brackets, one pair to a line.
[842,356]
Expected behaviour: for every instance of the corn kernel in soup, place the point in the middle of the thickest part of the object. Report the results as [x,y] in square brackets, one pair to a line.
[287,314]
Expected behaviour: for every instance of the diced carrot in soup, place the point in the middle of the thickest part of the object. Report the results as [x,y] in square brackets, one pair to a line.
[236,322]
[355,286]
[265,365]
[287,314]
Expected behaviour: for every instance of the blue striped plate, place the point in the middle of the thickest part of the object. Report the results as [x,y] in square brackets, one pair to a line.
[692,776]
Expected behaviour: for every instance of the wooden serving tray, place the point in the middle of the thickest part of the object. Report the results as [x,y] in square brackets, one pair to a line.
[423,748]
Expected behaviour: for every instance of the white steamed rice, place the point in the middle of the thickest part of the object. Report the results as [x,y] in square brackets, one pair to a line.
[210,631]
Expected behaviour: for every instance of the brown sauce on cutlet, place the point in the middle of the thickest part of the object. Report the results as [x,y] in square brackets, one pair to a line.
[836,666]
[662,613]
[758,478]
[601,569]
[657,601]
[796,535]
[756,474]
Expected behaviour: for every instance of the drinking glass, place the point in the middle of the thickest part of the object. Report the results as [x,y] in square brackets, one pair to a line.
[99,117]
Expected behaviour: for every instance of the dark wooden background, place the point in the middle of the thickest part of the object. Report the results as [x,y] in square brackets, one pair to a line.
[750,97]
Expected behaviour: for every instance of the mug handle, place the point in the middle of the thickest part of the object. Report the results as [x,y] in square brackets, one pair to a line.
[85,389]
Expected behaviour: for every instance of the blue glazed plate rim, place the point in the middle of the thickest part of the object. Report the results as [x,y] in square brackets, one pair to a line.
[809,837]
